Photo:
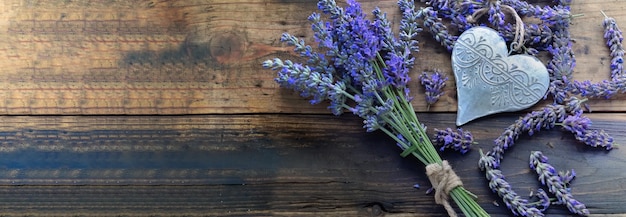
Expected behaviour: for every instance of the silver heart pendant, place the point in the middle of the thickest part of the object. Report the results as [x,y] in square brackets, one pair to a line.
[489,81]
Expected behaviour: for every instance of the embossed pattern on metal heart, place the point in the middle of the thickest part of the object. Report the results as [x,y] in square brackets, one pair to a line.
[489,81]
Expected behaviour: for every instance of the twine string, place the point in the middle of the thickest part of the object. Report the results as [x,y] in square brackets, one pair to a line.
[443,180]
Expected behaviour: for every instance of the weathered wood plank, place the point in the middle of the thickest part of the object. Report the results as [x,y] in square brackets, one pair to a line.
[183,57]
[278,165]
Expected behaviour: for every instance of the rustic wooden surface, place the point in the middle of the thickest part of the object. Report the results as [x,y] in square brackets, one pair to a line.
[285,165]
[143,108]
[187,57]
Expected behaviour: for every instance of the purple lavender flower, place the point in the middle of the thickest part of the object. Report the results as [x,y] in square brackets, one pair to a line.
[396,73]
[532,122]
[576,123]
[496,15]
[409,29]
[372,122]
[567,176]
[437,28]
[301,78]
[549,177]
[538,36]
[595,138]
[604,89]
[316,61]
[336,95]
[433,84]
[579,125]
[555,15]
[562,63]
[330,7]
[544,200]
[458,140]
[408,25]
[351,66]
[456,11]
[614,38]
[499,185]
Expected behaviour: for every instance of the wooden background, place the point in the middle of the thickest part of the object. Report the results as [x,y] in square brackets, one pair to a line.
[142,108]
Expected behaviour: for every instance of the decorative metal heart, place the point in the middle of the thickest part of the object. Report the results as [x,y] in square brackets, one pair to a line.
[489,81]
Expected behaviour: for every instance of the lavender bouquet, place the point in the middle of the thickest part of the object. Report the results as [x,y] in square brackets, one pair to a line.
[361,67]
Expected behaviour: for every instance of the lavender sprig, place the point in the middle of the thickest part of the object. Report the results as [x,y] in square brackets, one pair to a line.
[579,125]
[433,86]
[562,64]
[613,36]
[496,15]
[555,183]
[544,199]
[567,176]
[499,185]
[555,15]
[531,123]
[607,89]
[456,11]
[408,25]
[437,28]
[458,140]
[604,89]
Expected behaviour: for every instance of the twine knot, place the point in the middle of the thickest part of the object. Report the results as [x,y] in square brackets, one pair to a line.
[443,180]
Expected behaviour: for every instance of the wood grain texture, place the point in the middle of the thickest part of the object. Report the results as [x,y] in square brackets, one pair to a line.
[268,165]
[197,57]
[261,150]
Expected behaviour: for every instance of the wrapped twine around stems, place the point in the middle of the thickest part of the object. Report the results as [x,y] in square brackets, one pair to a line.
[443,179]
[518,41]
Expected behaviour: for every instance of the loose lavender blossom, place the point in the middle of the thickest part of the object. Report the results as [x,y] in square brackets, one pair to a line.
[567,176]
[458,140]
[437,28]
[555,183]
[495,14]
[544,199]
[562,64]
[408,26]
[579,125]
[576,123]
[456,11]
[551,15]
[531,123]
[614,38]
[607,89]
[604,89]
[499,185]
[433,86]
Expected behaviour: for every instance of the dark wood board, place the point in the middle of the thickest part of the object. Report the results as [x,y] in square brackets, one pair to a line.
[278,165]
